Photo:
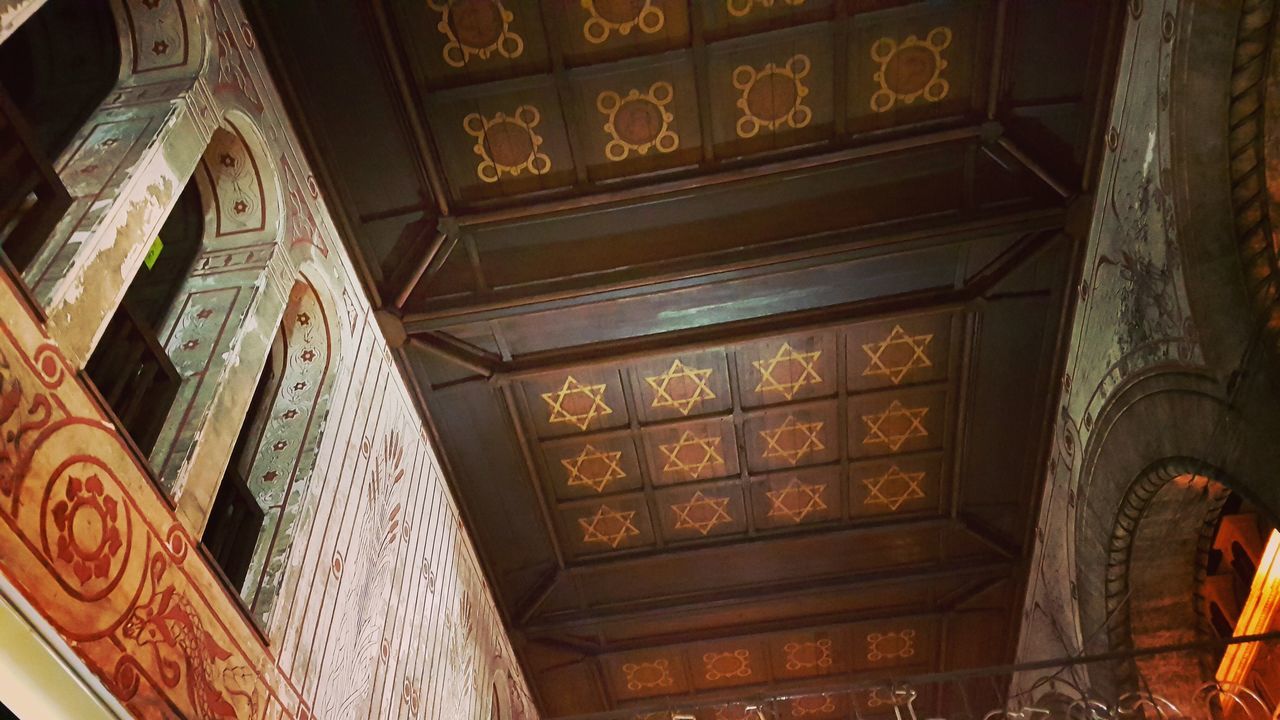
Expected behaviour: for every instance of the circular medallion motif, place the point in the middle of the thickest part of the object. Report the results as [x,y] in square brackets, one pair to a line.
[620,16]
[507,144]
[477,23]
[911,69]
[86,527]
[772,96]
[638,122]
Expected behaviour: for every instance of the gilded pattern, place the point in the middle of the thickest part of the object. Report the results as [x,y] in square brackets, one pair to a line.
[893,488]
[648,675]
[692,455]
[773,96]
[638,122]
[608,526]
[574,394]
[681,387]
[897,644]
[727,665]
[797,500]
[897,355]
[610,16]
[810,655]
[743,8]
[476,28]
[593,468]
[793,371]
[894,426]
[910,70]
[792,440]
[702,513]
[507,144]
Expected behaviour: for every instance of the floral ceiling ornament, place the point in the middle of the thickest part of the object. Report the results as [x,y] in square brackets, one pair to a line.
[620,16]
[507,144]
[476,28]
[638,122]
[725,665]
[891,645]
[743,8]
[646,675]
[910,70]
[773,96]
[87,522]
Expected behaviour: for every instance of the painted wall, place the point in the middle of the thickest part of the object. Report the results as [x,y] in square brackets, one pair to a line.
[381,610]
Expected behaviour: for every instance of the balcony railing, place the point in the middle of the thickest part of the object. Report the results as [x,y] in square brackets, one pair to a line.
[135,376]
[32,196]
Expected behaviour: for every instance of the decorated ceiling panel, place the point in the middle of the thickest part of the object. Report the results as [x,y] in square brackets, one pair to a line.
[763,436]
[524,98]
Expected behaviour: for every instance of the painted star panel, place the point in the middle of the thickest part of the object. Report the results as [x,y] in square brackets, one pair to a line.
[798,436]
[785,370]
[696,512]
[907,484]
[898,352]
[575,401]
[608,524]
[591,465]
[693,451]
[797,498]
[897,422]
[682,386]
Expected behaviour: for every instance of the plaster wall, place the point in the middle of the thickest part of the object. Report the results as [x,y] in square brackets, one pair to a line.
[382,610]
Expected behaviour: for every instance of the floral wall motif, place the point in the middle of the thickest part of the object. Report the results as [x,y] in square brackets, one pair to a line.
[381,609]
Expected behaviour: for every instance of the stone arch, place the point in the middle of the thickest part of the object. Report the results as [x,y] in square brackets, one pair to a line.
[1164,451]
[287,438]
[239,284]
[124,168]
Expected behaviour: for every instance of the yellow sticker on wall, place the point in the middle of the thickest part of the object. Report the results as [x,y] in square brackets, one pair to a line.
[153,253]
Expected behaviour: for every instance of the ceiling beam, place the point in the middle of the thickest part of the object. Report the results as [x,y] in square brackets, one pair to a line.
[722,177]
[661,607]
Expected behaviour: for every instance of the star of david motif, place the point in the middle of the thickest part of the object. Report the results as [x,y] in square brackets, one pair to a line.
[895,425]
[701,513]
[893,488]
[692,455]
[608,526]
[897,355]
[567,403]
[593,468]
[680,387]
[797,500]
[800,366]
[792,440]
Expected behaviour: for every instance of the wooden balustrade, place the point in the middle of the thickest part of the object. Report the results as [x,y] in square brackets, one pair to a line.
[135,376]
[32,196]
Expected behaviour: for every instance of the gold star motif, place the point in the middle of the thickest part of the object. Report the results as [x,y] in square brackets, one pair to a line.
[886,428]
[570,391]
[705,451]
[680,387]
[604,464]
[787,355]
[608,526]
[893,488]
[798,439]
[701,513]
[896,345]
[796,500]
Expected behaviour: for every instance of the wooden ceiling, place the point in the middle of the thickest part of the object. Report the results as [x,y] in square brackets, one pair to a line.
[737,323]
